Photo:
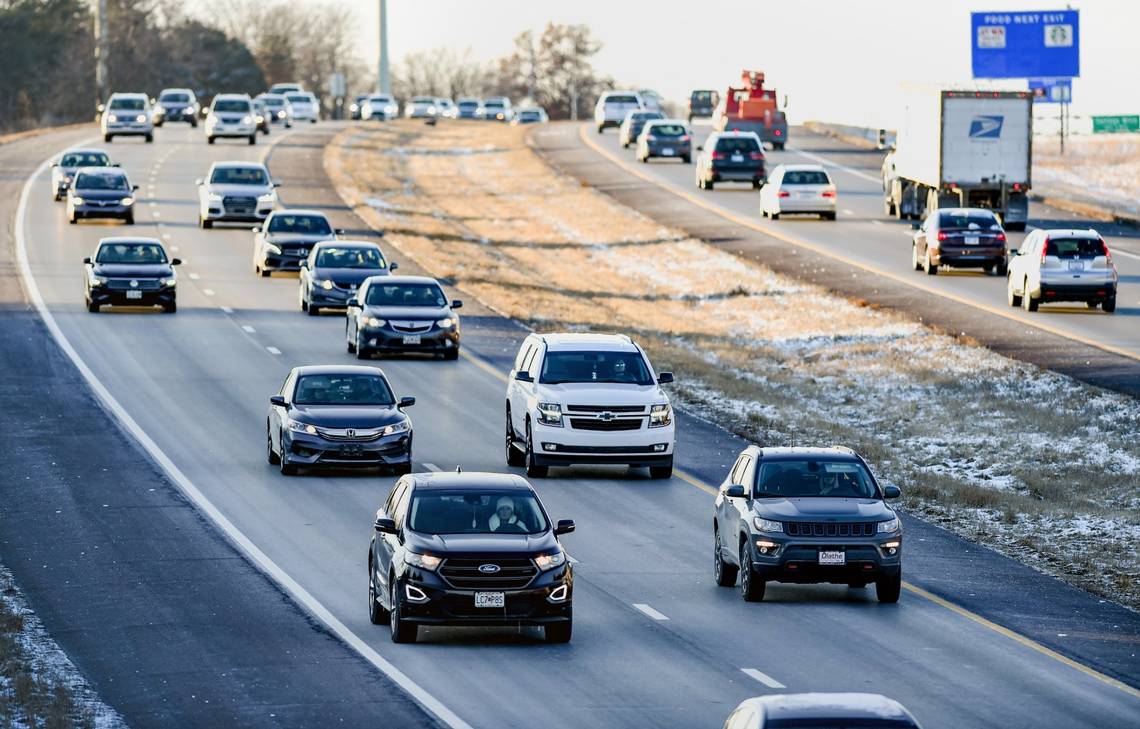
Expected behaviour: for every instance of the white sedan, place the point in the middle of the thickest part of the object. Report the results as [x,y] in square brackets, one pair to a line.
[798,189]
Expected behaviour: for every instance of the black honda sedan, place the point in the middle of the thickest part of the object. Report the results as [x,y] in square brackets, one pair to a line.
[334,270]
[131,272]
[339,416]
[468,549]
[402,314]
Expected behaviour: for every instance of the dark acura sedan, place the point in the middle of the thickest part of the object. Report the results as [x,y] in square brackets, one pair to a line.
[286,239]
[806,515]
[468,549]
[665,138]
[959,238]
[402,314]
[334,270]
[339,416]
[101,192]
[131,272]
[63,170]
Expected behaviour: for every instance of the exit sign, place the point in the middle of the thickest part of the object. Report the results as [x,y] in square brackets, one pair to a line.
[1117,124]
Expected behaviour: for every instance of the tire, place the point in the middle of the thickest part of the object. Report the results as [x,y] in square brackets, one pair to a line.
[150,139]
[829,216]
[515,457]
[756,185]
[253,139]
[930,268]
[1109,305]
[377,615]
[1001,269]
[194,124]
[265,272]
[625,145]
[662,472]
[270,454]
[723,572]
[158,125]
[209,140]
[533,469]
[402,630]
[171,308]
[773,216]
[287,469]
[888,589]
[313,309]
[1028,302]
[108,137]
[989,269]
[129,220]
[601,128]
[73,219]
[778,146]
[889,208]
[751,588]
[914,262]
[709,184]
[92,307]
[558,632]
[451,355]
[207,224]
[55,197]
[361,351]
[687,160]
[349,344]
[403,469]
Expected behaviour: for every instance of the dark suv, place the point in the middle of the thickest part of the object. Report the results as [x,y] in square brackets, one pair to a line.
[959,238]
[806,515]
[731,157]
[468,549]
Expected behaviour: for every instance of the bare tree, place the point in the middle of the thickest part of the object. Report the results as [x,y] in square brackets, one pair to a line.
[441,72]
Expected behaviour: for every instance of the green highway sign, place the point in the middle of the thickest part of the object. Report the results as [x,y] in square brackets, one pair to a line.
[1117,124]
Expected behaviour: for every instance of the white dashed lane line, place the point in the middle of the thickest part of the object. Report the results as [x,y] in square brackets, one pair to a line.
[226,310]
[208,292]
[194,277]
[431,467]
[650,611]
[763,678]
[248,329]
[273,350]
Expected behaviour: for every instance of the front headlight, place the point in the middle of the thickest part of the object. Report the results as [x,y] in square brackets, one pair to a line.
[127,201]
[431,110]
[423,561]
[188,110]
[891,525]
[550,413]
[247,120]
[660,415]
[215,197]
[327,285]
[281,114]
[112,118]
[300,427]
[98,280]
[445,323]
[168,281]
[401,427]
[550,561]
[76,200]
[267,197]
[140,118]
[767,525]
[374,322]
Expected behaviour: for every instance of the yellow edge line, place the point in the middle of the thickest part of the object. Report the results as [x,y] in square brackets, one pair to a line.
[1027,642]
[823,251]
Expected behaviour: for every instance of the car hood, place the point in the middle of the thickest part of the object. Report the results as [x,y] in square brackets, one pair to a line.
[822,509]
[607,393]
[279,238]
[455,545]
[350,275]
[241,190]
[347,416]
[407,312]
[133,270]
[103,194]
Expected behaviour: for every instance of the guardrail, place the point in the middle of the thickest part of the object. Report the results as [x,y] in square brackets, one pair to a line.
[866,137]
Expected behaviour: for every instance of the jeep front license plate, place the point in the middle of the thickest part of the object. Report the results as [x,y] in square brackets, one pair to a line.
[490,599]
[412,339]
[839,558]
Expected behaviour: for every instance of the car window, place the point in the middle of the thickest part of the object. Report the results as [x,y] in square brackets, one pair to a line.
[340,257]
[981,220]
[741,470]
[273,100]
[400,506]
[405,294]
[140,253]
[1073,248]
[175,98]
[621,99]
[614,367]
[734,474]
[128,104]
[101,181]
[815,478]
[239,176]
[806,177]
[305,224]
[394,496]
[84,159]
[231,105]
[473,511]
[524,352]
[667,130]
[343,389]
[737,145]
[701,97]
[298,97]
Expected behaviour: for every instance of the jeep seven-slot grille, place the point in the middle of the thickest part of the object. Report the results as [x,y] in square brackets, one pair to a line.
[467,575]
[829,529]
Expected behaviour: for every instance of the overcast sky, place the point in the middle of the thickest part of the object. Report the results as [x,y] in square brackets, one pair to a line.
[839,60]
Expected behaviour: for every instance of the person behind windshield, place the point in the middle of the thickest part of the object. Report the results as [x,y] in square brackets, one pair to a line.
[504,519]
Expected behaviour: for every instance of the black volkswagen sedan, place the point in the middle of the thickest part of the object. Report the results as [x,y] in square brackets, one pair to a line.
[339,416]
[334,270]
[402,314]
[101,192]
[468,549]
[287,238]
[806,515]
[130,272]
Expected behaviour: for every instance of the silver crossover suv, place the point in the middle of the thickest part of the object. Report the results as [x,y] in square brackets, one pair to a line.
[237,192]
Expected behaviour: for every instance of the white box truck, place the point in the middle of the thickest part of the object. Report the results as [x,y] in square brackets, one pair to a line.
[962,149]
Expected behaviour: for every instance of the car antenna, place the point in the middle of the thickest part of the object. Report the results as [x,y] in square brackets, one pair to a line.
[459,469]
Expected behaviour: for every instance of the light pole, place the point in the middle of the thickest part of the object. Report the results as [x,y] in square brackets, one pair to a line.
[385,81]
[101,50]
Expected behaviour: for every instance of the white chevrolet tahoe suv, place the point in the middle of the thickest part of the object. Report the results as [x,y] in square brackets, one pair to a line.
[587,398]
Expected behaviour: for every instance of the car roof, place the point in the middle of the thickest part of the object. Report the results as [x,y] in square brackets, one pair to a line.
[298,211]
[964,211]
[618,92]
[803,168]
[735,133]
[838,705]
[119,239]
[797,453]
[342,243]
[128,95]
[405,279]
[94,170]
[83,150]
[231,96]
[471,480]
[338,369]
[570,341]
[662,122]
[1071,233]
[235,164]
[176,91]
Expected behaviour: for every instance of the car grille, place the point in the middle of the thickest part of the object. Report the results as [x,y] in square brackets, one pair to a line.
[464,573]
[829,529]
[606,408]
[239,205]
[410,326]
[609,425]
[295,250]
[350,434]
[124,284]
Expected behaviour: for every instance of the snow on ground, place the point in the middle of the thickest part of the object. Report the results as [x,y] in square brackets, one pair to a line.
[1094,169]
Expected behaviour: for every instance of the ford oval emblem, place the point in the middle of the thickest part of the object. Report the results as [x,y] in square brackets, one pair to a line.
[488,569]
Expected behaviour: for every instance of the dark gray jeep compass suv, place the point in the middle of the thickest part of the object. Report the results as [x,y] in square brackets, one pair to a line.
[806,515]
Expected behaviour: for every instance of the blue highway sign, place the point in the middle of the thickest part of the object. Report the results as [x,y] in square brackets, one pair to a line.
[1051,90]
[1032,44]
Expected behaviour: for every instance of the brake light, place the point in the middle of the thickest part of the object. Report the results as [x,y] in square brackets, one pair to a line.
[684,137]
[777,133]
[756,155]
[942,235]
[1044,249]
[827,193]
[650,138]
[1107,255]
[718,155]
[1000,237]
[785,193]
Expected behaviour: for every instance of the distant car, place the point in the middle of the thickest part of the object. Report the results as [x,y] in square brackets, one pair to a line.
[235,192]
[475,549]
[71,161]
[280,110]
[380,106]
[101,192]
[959,238]
[447,108]
[612,107]
[355,106]
[652,100]
[338,416]
[631,126]
[1062,265]
[821,711]
[702,103]
[805,515]
[421,107]
[262,116]
[468,108]
[285,89]
[402,314]
[305,106]
[669,138]
[231,115]
[286,239]
[176,105]
[731,157]
[530,115]
[495,108]
[334,270]
[127,115]
[131,272]
[798,189]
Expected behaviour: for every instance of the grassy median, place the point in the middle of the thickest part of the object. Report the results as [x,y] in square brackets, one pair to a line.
[1032,463]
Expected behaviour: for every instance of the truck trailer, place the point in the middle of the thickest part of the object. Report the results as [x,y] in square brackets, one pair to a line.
[962,149]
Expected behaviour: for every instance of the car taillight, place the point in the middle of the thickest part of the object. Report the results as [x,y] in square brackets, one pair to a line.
[1000,237]
[777,133]
[1107,255]
[827,193]
[718,155]
[942,235]
[650,138]
[684,137]
[756,156]
[1044,249]
[785,193]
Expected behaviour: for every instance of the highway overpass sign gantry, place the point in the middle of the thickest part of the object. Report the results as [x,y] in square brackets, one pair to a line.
[1027,44]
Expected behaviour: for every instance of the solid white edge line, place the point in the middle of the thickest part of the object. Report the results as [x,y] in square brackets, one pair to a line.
[650,611]
[763,678]
[259,558]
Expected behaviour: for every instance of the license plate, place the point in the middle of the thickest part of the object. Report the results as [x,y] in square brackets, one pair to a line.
[971,240]
[490,599]
[834,558]
[134,294]
[1076,265]
[667,152]
[737,158]
[412,339]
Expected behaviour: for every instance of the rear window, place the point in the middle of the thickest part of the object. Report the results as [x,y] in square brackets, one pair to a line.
[737,145]
[623,99]
[1075,247]
[806,177]
[667,130]
[701,97]
[982,220]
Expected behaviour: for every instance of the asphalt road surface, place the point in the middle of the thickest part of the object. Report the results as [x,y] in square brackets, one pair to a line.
[655,642]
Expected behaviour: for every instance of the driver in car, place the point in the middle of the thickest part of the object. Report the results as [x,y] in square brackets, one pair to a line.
[504,519]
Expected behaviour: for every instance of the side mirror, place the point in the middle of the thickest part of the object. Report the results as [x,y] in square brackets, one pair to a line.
[1014,252]
[55,163]
[456,304]
[735,491]
[916,226]
[565,526]
[353,303]
[176,262]
[393,266]
[523,376]
[87,260]
[664,378]
[205,112]
[277,183]
[199,181]
[700,148]
[100,108]
[304,263]
[891,492]
[277,400]
[134,187]
[406,402]
[340,231]
[384,525]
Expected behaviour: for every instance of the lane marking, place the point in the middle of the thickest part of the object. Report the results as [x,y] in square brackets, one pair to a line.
[763,678]
[156,214]
[226,309]
[650,611]
[432,467]
[248,329]
[832,163]
[194,277]
[825,251]
[273,350]
[259,558]
[208,292]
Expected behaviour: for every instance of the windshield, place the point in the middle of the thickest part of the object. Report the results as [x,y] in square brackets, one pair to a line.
[303,98]
[380,100]
[476,512]
[834,479]
[528,115]
[101,181]
[84,159]
[620,367]
[667,130]
[133,104]
[175,98]
[130,253]
[306,224]
[239,176]
[468,104]
[805,177]
[273,100]
[858,723]
[338,257]
[643,116]
[231,105]
[405,295]
[737,145]
[423,100]
[968,220]
[346,389]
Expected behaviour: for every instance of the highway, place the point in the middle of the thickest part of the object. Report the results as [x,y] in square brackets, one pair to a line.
[655,642]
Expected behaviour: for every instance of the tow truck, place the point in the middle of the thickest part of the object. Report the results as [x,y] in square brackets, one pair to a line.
[752,108]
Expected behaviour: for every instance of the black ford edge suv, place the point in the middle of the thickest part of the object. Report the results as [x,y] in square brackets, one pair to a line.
[806,515]
[472,549]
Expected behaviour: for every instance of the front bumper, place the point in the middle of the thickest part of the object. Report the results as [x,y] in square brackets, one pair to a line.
[968,256]
[127,129]
[796,559]
[387,339]
[91,210]
[231,130]
[304,449]
[334,297]
[566,445]
[219,212]
[447,605]
[102,295]
[177,115]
